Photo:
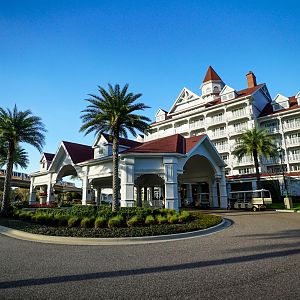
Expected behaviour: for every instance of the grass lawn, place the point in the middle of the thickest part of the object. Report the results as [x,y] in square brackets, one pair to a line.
[296,206]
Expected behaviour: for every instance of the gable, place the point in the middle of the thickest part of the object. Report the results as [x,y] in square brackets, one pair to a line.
[185,99]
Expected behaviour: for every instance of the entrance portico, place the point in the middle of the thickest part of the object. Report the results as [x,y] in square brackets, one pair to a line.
[151,174]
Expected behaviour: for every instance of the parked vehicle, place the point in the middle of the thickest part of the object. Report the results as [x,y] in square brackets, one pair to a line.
[253,199]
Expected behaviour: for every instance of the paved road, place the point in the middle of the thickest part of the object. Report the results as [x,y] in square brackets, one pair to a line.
[256,258]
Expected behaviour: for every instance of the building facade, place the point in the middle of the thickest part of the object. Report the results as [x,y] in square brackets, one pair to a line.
[169,172]
[224,113]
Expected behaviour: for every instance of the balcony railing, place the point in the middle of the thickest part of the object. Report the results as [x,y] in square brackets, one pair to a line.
[293,141]
[217,134]
[271,161]
[272,129]
[294,157]
[221,147]
[198,124]
[291,125]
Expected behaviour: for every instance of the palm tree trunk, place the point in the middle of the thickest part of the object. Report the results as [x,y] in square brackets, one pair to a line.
[7,181]
[256,164]
[116,181]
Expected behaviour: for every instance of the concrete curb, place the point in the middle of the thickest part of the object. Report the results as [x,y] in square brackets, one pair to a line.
[62,240]
[286,210]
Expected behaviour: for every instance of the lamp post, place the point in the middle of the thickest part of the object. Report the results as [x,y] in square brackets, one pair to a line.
[280,153]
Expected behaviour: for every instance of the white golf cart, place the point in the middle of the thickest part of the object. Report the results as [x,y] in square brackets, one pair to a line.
[253,199]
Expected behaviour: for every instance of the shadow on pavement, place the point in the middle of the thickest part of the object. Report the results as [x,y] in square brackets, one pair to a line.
[151,270]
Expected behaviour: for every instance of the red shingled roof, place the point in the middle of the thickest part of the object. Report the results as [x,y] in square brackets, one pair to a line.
[79,152]
[170,144]
[268,109]
[123,142]
[241,93]
[49,156]
[211,75]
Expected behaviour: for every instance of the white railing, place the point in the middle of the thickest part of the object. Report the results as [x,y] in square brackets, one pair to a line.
[181,128]
[293,141]
[291,125]
[272,129]
[197,124]
[221,147]
[243,161]
[238,114]
[274,160]
[294,157]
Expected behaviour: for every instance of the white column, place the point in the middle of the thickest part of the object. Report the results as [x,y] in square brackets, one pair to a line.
[254,185]
[32,194]
[171,184]
[127,182]
[214,193]
[223,190]
[50,196]
[98,196]
[189,195]
[86,189]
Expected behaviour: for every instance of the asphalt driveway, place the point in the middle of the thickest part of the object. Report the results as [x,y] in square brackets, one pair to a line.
[258,257]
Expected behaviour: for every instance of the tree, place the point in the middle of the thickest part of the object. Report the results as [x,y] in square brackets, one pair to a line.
[18,127]
[114,112]
[20,158]
[255,142]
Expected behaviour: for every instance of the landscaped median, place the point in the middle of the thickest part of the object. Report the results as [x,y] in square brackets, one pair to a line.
[101,222]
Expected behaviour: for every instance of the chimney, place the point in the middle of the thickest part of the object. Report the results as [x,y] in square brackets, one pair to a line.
[251,79]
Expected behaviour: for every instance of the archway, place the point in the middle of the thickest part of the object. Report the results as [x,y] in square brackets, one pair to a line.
[198,183]
[149,190]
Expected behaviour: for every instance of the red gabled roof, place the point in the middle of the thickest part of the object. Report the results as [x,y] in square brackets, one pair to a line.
[122,142]
[79,152]
[211,74]
[241,93]
[268,110]
[170,144]
[49,156]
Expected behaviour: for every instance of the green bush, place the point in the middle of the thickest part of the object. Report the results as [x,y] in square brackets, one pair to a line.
[26,215]
[61,220]
[100,222]
[87,222]
[184,216]
[134,221]
[42,218]
[161,219]
[173,219]
[74,222]
[116,221]
[82,211]
[150,220]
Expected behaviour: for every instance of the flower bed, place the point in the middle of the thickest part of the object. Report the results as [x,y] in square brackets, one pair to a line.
[87,221]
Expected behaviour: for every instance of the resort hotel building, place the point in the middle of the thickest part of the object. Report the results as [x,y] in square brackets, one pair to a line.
[186,157]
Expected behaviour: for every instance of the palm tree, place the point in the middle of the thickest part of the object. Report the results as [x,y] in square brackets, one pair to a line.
[255,142]
[113,112]
[20,157]
[18,127]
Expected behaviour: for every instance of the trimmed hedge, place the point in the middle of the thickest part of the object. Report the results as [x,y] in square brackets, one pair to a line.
[197,221]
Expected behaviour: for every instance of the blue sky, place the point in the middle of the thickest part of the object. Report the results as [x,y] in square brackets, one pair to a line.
[53,53]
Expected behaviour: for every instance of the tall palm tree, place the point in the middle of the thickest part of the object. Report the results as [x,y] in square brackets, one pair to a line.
[20,157]
[18,127]
[114,112]
[255,142]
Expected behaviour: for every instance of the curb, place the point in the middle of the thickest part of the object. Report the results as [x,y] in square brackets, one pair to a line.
[62,240]
[286,211]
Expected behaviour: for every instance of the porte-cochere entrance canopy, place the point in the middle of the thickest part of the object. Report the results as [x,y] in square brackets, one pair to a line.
[169,172]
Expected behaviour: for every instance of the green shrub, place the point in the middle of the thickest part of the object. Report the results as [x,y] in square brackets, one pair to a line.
[74,222]
[82,211]
[42,218]
[100,222]
[184,216]
[173,219]
[26,215]
[161,219]
[87,222]
[61,220]
[150,220]
[116,221]
[134,221]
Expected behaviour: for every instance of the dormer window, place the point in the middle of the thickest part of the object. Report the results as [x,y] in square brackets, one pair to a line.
[216,89]
[280,102]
